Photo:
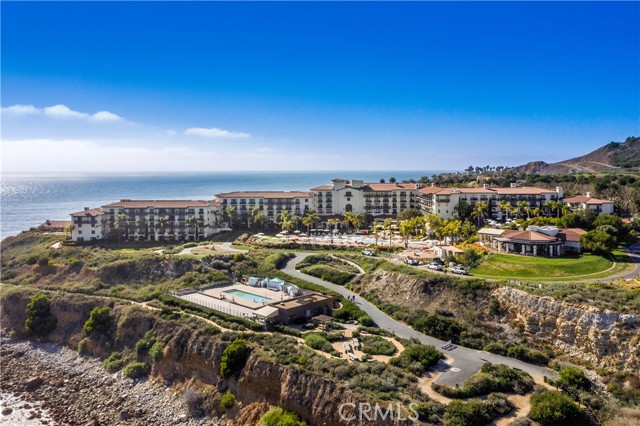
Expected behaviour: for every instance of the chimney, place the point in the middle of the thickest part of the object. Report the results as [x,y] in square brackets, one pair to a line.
[560,192]
[514,185]
[86,209]
[588,194]
[485,186]
[433,185]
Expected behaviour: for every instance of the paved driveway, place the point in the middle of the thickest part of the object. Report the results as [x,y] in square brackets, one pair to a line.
[465,361]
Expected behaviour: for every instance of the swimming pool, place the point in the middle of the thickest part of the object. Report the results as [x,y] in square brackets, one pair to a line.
[249,296]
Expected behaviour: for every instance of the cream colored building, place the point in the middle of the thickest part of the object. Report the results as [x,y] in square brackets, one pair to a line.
[587,202]
[271,202]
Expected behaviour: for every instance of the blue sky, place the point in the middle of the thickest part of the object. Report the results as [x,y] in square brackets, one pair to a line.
[314,86]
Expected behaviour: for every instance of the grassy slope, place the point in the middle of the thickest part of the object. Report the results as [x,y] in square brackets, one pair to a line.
[514,266]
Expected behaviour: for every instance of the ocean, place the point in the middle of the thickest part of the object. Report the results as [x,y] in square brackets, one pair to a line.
[27,200]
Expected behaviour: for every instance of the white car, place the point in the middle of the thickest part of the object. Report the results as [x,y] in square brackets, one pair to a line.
[435,266]
[411,261]
[369,252]
[460,271]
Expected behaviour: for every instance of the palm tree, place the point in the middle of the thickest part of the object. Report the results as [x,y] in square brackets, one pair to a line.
[359,221]
[480,211]
[310,218]
[554,206]
[260,219]
[522,205]
[388,225]
[284,215]
[296,221]
[374,229]
[121,223]
[536,211]
[142,228]
[504,206]
[161,225]
[191,222]
[216,219]
[230,214]
[69,229]
[253,212]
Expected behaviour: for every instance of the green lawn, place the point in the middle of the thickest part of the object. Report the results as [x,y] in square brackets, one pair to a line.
[514,266]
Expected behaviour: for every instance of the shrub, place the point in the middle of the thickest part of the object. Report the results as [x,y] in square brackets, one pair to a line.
[417,358]
[227,400]
[366,321]
[238,257]
[318,341]
[136,369]
[157,351]
[143,345]
[39,320]
[471,413]
[234,357]
[44,261]
[279,417]
[99,321]
[551,408]
[377,346]
[194,401]
[574,378]
[329,273]
[82,346]
[113,363]
[31,259]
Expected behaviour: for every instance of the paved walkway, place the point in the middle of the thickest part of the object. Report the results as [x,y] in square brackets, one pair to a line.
[465,361]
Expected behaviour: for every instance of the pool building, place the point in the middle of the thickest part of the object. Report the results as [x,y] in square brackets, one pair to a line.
[264,300]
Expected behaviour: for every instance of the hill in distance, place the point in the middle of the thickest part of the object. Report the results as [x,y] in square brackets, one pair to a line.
[612,157]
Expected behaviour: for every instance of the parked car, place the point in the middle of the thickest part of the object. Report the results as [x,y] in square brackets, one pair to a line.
[412,261]
[435,266]
[369,252]
[459,270]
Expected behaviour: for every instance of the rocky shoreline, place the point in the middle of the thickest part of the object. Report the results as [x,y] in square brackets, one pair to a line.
[47,384]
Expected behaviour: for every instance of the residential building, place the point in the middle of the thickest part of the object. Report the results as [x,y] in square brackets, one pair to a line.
[155,220]
[271,202]
[88,225]
[376,199]
[535,241]
[449,203]
[587,202]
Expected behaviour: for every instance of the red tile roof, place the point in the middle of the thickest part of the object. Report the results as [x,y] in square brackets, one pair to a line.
[527,236]
[571,234]
[55,224]
[523,191]
[90,212]
[583,199]
[265,194]
[166,204]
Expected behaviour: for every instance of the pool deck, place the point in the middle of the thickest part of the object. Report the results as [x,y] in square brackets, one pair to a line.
[219,294]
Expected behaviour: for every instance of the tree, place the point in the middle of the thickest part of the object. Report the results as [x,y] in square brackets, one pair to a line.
[480,211]
[598,241]
[99,321]
[409,213]
[574,378]
[192,222]
[392,180]
[161,225]
[142,228]
[551,408]
[382,181]
[522,205]
[230,214]
[121,223]
[39,321]
[234,357]
[310,218]
[69,229]
[388,226]
[504,206]
[611,220]
[278,417]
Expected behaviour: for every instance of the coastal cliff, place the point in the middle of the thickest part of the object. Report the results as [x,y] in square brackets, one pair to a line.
[603,338]
[193,356]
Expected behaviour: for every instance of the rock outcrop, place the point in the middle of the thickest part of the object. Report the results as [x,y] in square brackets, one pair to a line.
[603,338]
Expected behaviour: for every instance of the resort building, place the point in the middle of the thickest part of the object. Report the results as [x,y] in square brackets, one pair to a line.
[88,225]
[455,202]
[376,199]
[155,220]
[587,202]
[535,241]
[271,202]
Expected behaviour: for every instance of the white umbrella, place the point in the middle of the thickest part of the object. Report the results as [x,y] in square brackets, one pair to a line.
[296,232]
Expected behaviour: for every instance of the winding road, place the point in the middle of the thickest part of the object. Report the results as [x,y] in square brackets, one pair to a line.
[465,361]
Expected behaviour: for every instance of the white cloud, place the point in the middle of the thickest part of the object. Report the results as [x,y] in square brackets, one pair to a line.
[215,133]
[61,112]
[20,110]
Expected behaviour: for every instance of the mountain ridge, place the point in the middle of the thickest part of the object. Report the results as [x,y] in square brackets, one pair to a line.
[614,156]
